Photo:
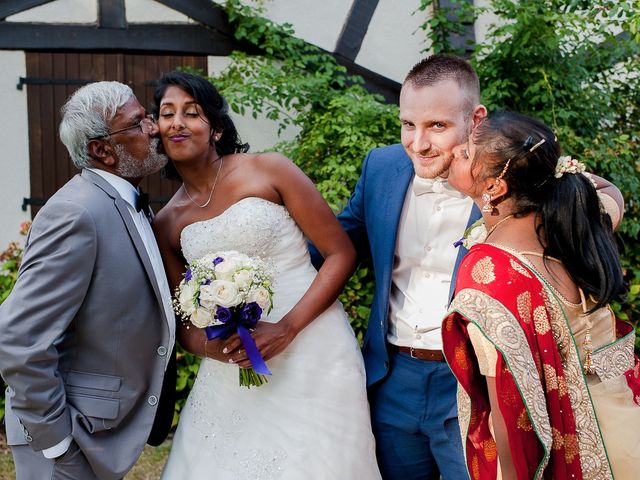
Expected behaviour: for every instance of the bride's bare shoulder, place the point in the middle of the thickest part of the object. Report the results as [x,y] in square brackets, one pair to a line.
[265,162]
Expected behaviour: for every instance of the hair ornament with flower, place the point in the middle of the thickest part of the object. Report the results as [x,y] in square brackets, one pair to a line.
[566,164]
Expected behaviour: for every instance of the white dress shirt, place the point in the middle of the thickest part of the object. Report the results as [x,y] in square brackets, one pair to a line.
[130,194]
[434,216]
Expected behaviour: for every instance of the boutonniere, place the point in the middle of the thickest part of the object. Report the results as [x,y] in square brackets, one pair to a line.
[476,233]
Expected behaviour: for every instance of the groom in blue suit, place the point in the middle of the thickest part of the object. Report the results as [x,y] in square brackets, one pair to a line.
[406,218]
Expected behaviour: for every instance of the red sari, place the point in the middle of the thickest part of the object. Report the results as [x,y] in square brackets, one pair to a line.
[543,396]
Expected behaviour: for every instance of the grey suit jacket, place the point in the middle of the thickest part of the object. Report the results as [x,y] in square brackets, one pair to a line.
[84,340]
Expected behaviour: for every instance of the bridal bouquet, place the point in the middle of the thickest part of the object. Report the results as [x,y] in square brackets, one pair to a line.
[225,293]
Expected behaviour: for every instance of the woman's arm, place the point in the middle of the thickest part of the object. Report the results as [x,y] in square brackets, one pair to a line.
[487,357]
[312,214]
[505,460]
[192,339]
[611,199]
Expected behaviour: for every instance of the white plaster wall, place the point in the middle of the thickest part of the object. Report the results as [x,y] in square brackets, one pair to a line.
[14,138]
[260,133]
[316,21]
[484,21]
[149,11]
[60,11]
[393,43]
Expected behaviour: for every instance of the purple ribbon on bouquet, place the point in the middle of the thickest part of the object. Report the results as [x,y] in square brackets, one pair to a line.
[240,319]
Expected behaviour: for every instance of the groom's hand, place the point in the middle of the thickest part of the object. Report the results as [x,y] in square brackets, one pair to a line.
[271,339]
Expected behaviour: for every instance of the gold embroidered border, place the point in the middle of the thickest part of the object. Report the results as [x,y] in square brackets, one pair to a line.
[502,327]
[615,359]
[593,456]
[464,416]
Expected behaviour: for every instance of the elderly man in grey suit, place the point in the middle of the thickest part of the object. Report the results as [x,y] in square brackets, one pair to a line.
[86,336]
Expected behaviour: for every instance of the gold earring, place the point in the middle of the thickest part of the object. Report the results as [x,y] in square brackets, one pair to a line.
[486,200]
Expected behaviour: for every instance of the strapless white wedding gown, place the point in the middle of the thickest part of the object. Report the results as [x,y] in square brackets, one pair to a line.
[311,421]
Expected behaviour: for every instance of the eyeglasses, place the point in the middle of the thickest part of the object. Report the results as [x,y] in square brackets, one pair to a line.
[146,125]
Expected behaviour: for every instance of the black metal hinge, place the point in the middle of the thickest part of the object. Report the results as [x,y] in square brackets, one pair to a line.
[50,81]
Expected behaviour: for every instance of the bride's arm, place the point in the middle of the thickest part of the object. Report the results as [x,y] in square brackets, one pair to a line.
[319,224]
[190,338]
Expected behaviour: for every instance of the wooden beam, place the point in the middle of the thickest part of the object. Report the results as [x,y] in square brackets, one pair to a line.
[467,40]
[374,82]
[175,38]
[111,14]
[204,11]
[11,7]
[355,28]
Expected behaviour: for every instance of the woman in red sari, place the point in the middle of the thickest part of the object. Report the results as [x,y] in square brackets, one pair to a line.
[548,382]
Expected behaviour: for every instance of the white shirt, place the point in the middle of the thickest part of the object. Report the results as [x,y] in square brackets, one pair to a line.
[424,261]
[130,194]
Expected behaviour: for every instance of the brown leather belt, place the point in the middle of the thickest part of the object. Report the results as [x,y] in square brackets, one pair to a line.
[419,353]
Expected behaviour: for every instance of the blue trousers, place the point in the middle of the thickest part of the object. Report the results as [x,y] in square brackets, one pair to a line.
[415,421]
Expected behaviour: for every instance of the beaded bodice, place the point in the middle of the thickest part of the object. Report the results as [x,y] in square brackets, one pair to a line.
[250,226]
[256,227]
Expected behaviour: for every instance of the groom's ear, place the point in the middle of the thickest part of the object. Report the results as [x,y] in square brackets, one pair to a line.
[101,151]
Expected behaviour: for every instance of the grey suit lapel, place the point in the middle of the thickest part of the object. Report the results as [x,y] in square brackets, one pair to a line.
[123,209]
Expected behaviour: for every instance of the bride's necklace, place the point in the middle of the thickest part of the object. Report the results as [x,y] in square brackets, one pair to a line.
[184,187]
[497,225]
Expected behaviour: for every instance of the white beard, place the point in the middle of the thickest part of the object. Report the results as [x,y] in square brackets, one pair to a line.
[129,167]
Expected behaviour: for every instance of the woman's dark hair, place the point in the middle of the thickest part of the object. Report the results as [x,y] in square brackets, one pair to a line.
[214,106]
[572,226]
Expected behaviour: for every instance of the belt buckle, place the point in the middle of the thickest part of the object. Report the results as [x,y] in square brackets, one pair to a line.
[411,353]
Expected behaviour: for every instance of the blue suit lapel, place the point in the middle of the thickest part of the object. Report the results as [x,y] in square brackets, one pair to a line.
[475,215]
[395,189]
[396,192]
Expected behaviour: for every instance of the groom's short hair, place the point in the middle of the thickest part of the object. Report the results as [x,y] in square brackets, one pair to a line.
[436,68]
[87,115]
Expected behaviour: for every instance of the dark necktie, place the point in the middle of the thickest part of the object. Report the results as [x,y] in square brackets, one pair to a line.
[142,203]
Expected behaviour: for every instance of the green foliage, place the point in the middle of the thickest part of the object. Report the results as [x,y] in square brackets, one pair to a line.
[187,365]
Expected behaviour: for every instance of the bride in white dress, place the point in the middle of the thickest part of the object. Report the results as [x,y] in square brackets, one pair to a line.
[311,420]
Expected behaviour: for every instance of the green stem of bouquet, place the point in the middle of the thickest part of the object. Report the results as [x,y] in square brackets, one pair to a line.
[249,378]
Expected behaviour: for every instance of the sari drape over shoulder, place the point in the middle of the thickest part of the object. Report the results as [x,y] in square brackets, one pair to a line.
[543,395]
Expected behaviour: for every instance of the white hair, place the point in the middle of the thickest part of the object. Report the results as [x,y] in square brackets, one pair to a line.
[86,115]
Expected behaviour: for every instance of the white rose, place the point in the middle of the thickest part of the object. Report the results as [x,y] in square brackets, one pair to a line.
[476,235]
[186,300]
[201,317]
[243,278]
[225,269]
[219,292]
[261,296]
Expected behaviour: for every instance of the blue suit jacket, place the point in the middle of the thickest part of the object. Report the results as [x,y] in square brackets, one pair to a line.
[371,219]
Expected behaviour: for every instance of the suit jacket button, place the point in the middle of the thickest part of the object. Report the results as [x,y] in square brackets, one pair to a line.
[152,400]
[162,350]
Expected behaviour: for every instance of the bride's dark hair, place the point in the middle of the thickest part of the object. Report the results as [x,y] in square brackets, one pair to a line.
[214,106]
[572,226]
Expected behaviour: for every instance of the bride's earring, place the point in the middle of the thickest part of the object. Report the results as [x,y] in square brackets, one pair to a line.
[486,200]
[214,137]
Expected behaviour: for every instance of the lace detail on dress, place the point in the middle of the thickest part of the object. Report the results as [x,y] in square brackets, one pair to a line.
[220,431]
[253,229]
